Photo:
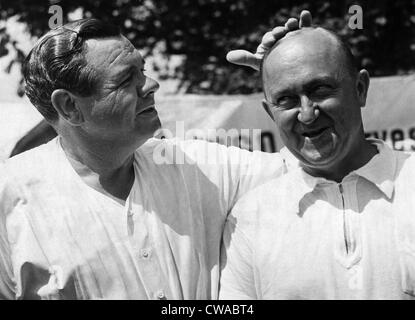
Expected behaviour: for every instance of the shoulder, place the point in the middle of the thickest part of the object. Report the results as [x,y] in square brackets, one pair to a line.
[402,163]
[44,156]
[177,151]
[405,165]
[168,151]
[39,166]
[406,158]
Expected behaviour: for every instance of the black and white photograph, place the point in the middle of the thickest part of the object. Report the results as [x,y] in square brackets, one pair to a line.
[220,151]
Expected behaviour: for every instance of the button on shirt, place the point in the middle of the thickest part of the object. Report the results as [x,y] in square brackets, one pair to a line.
[61,239]
[301,237]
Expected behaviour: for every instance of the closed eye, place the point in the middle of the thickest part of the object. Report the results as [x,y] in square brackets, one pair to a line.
[322,90]
[130,77]
[126,80]
[287,102]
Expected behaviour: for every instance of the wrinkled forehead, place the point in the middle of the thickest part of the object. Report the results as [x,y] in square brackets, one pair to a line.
[108,52]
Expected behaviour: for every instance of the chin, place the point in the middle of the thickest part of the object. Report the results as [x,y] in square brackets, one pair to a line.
[321,160]
[157,124]
[148,126]
[317,162]
[322,153]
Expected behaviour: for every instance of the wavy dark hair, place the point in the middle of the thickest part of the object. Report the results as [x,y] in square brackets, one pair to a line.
[57,61]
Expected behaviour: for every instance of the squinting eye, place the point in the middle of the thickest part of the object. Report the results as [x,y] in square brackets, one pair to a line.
[287,102]
[322,90]
[127,80]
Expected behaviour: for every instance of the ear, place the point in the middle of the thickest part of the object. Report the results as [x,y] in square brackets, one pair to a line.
[362,86]
[267,108]
[65,103]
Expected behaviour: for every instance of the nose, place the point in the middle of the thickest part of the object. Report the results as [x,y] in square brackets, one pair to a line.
[150,87]
[308,111]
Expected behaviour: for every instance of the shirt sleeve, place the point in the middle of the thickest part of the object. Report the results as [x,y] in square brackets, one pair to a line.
[253,169]
[7,201]
[237,280]
[233,170]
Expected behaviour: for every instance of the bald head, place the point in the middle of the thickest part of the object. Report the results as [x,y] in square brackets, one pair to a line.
[307,46]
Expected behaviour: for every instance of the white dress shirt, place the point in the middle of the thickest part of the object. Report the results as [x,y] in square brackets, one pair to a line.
[61,239]
[301,237]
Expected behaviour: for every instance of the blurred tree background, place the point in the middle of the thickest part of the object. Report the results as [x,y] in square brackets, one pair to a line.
[201,32]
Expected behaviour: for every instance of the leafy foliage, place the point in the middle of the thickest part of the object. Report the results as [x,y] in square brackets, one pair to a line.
[203,31]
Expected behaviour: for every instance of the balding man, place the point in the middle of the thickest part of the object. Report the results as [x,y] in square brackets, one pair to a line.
[342,224]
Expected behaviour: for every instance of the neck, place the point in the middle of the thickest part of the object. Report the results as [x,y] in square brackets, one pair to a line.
[360,155]
[103,165]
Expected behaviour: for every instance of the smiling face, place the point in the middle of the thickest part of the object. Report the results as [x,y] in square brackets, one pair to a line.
[122,108]
[314,99]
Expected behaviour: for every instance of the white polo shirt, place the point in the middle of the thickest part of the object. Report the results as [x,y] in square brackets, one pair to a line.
[61,239]
[301,237]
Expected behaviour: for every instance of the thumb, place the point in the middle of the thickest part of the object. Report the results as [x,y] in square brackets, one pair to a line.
[244,58]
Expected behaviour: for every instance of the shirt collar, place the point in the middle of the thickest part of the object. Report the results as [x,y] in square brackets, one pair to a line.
[380,170]
[290,161]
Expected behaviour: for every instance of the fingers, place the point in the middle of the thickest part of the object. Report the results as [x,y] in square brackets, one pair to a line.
[246,58]
[305,19]
[243,58]
[268,39]
[279,32]
[267,42]
[271,37]
[291,24]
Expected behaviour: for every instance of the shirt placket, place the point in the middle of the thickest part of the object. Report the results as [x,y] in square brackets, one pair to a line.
[348,248]
[139,226]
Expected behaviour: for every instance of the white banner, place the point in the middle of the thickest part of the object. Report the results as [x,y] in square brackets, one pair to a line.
[241,121]
[389,114]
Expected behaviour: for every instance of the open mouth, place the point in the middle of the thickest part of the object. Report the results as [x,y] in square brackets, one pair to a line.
[146,111]
[314,133]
